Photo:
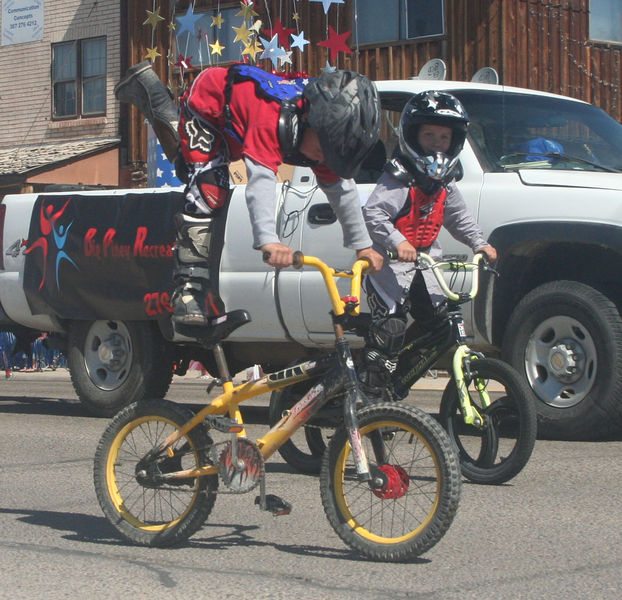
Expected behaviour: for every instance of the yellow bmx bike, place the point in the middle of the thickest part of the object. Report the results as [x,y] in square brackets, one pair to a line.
[390,477]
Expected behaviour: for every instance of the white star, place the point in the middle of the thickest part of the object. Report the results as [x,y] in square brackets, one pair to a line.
[272,50]
[299,41]
[327,3]
[287,58]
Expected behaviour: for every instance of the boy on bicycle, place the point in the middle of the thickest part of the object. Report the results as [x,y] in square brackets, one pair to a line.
[413,198]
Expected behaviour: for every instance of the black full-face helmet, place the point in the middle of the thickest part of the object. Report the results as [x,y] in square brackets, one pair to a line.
[344,111]
[432,171]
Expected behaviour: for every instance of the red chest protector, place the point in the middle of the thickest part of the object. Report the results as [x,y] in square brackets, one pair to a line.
[421,222]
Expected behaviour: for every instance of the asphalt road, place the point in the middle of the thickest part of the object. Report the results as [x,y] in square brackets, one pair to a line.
[552,532]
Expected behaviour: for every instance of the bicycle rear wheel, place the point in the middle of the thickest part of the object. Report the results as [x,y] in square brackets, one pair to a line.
[414,509]
[499,450]
[141,508]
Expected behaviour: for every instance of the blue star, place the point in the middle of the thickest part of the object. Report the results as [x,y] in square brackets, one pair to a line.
[299,41]
[328,68]
[272,50]
[188,21]
[327,3]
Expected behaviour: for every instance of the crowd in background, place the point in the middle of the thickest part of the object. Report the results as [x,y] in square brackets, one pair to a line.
[32,356]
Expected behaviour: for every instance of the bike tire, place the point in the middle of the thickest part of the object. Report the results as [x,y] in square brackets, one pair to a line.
[304,450]
[143,513]
[498,452]
[410,519]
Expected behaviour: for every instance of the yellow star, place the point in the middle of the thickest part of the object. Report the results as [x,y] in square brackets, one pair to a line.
[152,54]
[171,26]
[242,33]
[154,18]
[296,17]
[252,48]
[217,20]
[247,11]
[217,48]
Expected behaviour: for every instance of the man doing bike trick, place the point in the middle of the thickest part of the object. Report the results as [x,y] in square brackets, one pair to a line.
[328,123]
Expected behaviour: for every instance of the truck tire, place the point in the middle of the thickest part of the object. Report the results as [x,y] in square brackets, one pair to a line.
[565,338]
[115,363]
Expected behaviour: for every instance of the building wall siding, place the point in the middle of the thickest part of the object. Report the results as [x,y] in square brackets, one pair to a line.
[25,76]
[537,44]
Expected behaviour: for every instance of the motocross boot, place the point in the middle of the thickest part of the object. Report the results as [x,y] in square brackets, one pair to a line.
[195,299]
[141,87]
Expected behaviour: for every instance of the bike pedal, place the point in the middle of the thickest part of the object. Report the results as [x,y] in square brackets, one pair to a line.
[277,506]
[224,424]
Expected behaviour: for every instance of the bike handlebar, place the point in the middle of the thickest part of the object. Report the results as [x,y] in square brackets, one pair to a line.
[350,303]
[480,261]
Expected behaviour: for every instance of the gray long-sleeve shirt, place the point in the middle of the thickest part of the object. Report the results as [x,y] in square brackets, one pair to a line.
[261,202]
[380,212]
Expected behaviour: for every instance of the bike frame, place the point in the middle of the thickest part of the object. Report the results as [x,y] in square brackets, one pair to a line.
[432,345]
[336,371]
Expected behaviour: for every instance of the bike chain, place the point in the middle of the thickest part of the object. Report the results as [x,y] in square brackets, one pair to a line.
[211,450]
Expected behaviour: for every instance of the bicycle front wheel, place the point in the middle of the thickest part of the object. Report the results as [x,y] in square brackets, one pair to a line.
[498,450]
[415,507]
[140,506]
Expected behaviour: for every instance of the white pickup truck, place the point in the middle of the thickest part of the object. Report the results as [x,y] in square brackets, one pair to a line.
[542,175]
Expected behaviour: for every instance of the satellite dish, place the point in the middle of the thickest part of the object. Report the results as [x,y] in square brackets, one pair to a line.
[433,69]
[486,75]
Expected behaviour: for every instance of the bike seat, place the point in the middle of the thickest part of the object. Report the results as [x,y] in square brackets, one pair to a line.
[217,329]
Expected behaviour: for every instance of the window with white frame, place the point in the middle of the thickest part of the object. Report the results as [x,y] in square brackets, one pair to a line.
[606,20]
[392,20]
[79,78]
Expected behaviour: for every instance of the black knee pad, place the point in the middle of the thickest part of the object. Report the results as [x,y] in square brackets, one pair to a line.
[387,334]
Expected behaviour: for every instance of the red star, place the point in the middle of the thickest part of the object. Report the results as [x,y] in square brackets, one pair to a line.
[336,42]
[281,31]
[184,62]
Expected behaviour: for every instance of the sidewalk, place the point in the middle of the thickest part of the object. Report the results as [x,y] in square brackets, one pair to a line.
[426,383]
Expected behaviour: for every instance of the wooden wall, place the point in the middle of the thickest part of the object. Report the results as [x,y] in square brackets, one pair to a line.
[537,44]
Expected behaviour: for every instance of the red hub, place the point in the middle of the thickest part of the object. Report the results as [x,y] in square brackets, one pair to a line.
[397,482]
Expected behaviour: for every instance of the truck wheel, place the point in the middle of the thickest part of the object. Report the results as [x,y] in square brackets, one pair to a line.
[115,363]
[566,339]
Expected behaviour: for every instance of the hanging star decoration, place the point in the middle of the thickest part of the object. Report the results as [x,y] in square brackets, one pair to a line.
[247,11]
[252,48]
[299,41]
[217,21]
[336,42]
[154,18]
[152,54]
[171,26]
[327,3]
[286,58]
[296,17]
[328,68]
[242,33]
[272,50]
[217,48]
[184,62]
[188,21]
[282,33]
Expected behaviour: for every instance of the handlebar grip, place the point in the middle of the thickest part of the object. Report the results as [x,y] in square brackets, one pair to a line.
[299,259]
